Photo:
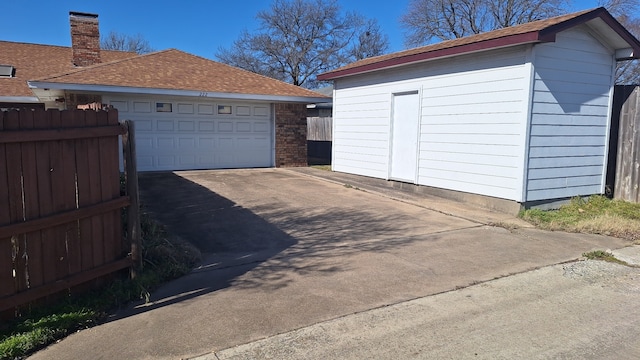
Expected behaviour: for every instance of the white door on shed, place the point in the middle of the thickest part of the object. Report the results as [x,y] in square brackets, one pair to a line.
[182,135]
[404,136]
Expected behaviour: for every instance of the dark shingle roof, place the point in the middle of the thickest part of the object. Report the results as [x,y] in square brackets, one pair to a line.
[177,70]
[33,61]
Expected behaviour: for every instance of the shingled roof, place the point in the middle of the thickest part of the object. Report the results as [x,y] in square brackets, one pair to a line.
[33,61]
[172,70]
[533,32]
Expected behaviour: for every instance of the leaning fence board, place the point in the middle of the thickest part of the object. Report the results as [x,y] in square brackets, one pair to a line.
[42,120]
[6,262]
[60,202]
[14,178]
[83,164]
[94,194]
[34,271]
[108,218]
[114,182]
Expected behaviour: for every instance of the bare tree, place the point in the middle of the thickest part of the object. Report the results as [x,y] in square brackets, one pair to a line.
[370,41]
[298,39]
[428,20]
[620,8]
[627,72]
[117,41]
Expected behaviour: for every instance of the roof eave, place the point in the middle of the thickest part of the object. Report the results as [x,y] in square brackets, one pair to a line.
[632,52]
[172,92]
[547,34]
[507,41]
[19,99]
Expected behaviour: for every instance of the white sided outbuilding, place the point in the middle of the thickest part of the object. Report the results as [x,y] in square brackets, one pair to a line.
[520,113]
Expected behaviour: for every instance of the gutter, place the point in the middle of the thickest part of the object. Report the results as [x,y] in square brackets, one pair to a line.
[19,99]
[171,92]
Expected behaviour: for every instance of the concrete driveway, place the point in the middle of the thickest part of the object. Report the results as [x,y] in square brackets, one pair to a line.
[285,250]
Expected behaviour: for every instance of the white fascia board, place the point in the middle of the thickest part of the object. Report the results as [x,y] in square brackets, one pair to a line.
[20,99]
[624,54]
[170,92]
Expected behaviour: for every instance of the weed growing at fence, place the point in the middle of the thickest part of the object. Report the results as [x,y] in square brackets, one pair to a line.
[596,215]
[165,258]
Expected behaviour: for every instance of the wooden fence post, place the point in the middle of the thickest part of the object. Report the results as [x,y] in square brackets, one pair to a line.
[134,231]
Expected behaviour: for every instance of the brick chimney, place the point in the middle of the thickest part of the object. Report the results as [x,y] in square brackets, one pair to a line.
[85,38]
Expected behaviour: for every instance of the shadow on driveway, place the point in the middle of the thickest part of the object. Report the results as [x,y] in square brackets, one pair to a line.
[285,238]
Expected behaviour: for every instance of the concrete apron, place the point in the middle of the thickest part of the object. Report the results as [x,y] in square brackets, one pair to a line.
[287,251]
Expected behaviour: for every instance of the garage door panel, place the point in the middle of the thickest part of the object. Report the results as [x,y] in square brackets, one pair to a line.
[165,125]
[205,109]
[206,126]
[166,161]
[144,144]
[207,144]
[166,143]
[243,126]
[243,110]
[206,160]
[260,143]
[185,108]
[261,111]
[225,126]
[186,161]
[261,126]
[186,125]
[195,136]
[141,106]
[145,161]
[144,125]
[186,144]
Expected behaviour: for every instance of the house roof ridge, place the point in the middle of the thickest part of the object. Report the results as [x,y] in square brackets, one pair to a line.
[80,69]
[64,47]
[36,44]
[235,68]
[54,77]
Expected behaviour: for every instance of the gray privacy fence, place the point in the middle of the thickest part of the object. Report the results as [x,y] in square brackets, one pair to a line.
[319,128]
[624,157]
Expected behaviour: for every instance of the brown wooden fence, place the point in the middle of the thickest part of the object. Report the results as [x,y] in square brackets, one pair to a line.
[625,144]
[60,202]
[319,128]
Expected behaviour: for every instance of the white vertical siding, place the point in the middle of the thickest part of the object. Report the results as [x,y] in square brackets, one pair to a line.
[473,121]
[569,117]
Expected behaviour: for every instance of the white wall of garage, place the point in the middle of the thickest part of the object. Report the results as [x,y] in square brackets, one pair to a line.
[193,134]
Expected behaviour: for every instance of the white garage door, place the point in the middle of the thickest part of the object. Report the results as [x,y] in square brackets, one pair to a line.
[184,135]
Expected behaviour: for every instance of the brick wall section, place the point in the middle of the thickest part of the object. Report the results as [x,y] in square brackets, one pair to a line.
[291,135]
[85,39]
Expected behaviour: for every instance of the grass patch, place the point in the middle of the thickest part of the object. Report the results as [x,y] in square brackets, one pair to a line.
[596,215]
[349,186]
[165,258]
[604,256]
[322,167]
